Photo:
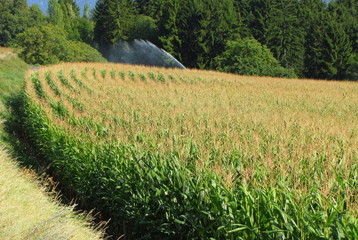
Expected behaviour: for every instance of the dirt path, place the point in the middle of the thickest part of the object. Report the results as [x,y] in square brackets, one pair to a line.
[6,55]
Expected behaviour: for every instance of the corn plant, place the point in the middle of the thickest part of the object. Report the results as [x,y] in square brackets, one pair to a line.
[212,156]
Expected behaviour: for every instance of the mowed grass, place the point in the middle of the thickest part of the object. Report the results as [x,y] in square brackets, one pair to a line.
[27,211]
[12,71]
[296,136]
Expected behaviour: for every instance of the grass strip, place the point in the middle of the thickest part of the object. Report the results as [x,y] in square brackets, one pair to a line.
[28,212]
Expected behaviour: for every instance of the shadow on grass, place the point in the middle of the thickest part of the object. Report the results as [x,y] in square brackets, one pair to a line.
[22,149]
[15,136]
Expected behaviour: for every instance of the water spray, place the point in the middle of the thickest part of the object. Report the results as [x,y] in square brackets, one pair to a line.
[142,52]
[174,59]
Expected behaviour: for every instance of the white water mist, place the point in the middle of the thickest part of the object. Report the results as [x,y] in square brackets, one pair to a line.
[142,52]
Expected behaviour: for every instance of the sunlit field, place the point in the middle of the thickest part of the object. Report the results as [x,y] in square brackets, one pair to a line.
[226,156]
[27,210]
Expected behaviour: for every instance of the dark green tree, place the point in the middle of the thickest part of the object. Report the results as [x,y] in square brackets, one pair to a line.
[123,14]
[256,19]
[242,8]
[284,34]
[70,8]
[303,35]
[151,8]
[314,16]
[329,52]
[352,70]
[85,29]
[102,27]
[143,27]
[337,50]
[347,11]
[195,31]
[113,21]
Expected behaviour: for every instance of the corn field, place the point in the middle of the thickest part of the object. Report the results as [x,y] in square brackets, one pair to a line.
[188,154]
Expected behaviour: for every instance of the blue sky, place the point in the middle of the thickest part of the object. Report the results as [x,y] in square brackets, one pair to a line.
[43,3]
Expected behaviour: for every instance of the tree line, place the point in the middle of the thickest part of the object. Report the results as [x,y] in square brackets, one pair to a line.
[287,38]
[60,35]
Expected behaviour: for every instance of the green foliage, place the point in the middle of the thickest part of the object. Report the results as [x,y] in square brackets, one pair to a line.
[329,50]
[66,14]
[43,45]
[144,27]
[304,36]
[352,70]
[277,24]
[12,71]
[86,11]
[195,31]
[71,13]
[256,18]
[85,29]
[113,21]
[36,17]
[151,75]
[122,75]
[55,13]
[346,11]
[82,52]
[314,16]
[248,57]
[131,75]
[336,52]
[48,45]
[16,17]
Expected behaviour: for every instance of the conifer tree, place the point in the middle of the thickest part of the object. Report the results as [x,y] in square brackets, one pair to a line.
[337,50]
[113,19]
[284,34]
[257,18]
[55,13]
[195,31]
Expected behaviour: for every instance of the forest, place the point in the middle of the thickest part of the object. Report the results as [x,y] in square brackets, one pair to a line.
[283,38]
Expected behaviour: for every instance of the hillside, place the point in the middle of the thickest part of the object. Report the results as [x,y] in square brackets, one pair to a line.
[27,210]
[189,154]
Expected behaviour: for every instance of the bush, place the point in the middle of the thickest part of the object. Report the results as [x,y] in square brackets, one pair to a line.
[248,57]
[82,52]
[49,45]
